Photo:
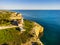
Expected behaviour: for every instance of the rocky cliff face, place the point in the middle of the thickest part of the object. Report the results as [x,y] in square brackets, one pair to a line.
[31,31]
[35,33]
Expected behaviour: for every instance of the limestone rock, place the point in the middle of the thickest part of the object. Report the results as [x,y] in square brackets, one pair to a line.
[34,40]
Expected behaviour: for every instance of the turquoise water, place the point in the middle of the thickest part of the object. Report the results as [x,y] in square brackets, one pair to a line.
[49,19]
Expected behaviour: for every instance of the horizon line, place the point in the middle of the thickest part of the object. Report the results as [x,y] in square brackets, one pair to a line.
[29,9]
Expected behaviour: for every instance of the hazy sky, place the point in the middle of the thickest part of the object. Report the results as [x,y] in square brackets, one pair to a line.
[29,4]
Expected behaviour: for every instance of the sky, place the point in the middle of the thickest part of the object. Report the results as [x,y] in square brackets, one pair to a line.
[30,4]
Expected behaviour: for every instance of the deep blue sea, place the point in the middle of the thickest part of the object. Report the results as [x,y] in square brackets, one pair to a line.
[49,19]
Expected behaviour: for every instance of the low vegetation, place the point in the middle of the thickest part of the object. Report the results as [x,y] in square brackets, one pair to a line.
[8,35]
[4,18]
[12,36]
[28,25]
[25,36]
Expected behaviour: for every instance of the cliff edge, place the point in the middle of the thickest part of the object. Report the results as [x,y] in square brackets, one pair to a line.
[14,30]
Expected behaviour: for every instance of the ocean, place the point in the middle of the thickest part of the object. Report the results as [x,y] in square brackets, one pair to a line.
[49,19]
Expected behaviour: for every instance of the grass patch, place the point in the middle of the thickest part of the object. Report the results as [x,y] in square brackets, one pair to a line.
[28,25]
[8,35]
[25,36]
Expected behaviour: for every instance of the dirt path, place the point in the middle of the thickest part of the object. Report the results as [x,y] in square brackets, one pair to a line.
[4,27]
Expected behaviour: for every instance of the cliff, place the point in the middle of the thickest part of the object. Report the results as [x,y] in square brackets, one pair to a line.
[14,30]
[34,34]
